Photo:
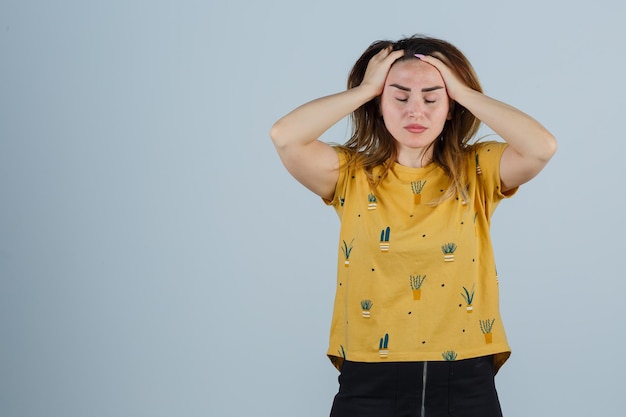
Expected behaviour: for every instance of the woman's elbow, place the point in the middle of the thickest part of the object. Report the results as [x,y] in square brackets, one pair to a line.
[275,133]
[549,148]
[280,135]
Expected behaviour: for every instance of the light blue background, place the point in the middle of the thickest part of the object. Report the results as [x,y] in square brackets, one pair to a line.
[156,259]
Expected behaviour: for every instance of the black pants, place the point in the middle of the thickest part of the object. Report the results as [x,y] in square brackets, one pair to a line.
[462,388]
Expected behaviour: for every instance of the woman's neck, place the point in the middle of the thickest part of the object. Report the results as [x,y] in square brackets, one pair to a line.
[415,158]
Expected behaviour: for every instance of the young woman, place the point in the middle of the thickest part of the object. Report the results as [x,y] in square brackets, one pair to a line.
[416,327]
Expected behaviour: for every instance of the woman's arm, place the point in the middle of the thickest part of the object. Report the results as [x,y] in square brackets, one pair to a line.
[312,162]
[530,144]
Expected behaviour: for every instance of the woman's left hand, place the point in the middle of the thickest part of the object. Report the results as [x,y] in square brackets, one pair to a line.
[454,85]
[530,144]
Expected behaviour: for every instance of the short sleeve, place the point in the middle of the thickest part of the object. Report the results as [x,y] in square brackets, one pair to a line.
[336,201]
[487,160]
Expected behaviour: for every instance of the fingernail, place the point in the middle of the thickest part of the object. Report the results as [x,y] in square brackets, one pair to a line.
[419,56]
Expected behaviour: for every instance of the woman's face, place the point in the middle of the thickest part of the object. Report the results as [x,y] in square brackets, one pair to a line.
[414,106]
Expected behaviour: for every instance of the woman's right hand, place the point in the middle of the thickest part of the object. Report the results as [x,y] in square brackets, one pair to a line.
[378,68]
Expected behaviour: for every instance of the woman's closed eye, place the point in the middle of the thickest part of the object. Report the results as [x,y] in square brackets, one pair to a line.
[429,100]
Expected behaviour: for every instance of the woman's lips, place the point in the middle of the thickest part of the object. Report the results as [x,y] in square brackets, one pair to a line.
[415,128]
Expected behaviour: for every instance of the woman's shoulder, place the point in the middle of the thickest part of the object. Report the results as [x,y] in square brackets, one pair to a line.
[350,159]
[345,153]
[483,146]
[486,150]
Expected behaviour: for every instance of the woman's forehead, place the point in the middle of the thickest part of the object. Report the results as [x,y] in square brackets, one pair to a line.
[414,72]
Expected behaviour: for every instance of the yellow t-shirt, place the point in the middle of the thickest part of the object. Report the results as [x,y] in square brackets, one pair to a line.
[417,282]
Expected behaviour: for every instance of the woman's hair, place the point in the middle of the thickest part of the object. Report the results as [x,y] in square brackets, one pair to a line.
[372,145]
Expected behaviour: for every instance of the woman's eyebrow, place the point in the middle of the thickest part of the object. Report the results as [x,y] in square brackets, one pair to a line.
[424,90]
[400,87]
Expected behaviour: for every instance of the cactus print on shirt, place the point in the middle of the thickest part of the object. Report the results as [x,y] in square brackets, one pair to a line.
[417,281]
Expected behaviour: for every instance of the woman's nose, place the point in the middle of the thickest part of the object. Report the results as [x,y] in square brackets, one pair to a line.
[415,110]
